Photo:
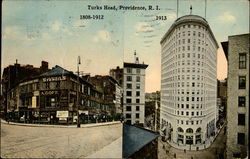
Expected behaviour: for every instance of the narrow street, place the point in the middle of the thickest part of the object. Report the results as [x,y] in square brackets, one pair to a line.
[213,152]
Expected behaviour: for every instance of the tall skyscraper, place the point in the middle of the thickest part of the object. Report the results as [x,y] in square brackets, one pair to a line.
[236,50]
[134,92]
[188,83]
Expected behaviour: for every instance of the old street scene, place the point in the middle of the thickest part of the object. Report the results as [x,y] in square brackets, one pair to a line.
[125,79]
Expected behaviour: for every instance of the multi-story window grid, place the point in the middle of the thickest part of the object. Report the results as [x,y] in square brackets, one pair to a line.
[237,53]
[188,82]
[134,92]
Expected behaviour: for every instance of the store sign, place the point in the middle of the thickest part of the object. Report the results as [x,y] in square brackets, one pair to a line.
[34,102]
[63,119]
[36,93]
[49,92]
[62,114]
[83,112]
[49,79]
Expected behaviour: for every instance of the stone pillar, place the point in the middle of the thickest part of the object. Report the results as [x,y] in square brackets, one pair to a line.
[184,139]
[194,139]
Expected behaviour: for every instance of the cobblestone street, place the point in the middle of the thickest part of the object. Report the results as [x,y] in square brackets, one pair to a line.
[215,151]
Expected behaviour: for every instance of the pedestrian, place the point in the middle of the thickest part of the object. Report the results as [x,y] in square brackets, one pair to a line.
[184,150]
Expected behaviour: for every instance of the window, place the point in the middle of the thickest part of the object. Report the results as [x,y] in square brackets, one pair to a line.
[137,93]
[129,86]
[128,115]
[129,70]
[241,119]
[241,101]
[138,71]
[46,84]
[187,113]
[58,84]
[241,139]
[51,101]
[128,100]
[242,60]
[129,78]
[137,115]
[137,86]
[137,108]
[128,108]
[137,78]
[129,93]
[242,82]
[137,100]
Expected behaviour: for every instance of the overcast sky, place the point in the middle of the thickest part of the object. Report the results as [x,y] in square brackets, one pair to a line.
[33,31]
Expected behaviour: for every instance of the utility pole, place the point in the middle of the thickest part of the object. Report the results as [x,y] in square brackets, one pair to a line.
[77,92]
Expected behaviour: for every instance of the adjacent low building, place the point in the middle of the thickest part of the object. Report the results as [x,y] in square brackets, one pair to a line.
[111,89]
[13,74]
[55,97]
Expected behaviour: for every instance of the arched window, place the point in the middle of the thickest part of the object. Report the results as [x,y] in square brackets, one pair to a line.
[198,130]
[189,130]
[179,129]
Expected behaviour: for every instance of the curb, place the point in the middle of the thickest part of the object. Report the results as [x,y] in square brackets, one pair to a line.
[61,126]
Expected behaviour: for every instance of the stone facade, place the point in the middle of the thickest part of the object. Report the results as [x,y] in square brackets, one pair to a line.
[237,52]
[188,83]
[134,92]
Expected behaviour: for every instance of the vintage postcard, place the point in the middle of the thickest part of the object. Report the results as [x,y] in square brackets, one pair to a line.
[125,79]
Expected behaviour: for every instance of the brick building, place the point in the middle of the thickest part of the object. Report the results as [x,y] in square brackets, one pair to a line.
[52,98]
[13,74]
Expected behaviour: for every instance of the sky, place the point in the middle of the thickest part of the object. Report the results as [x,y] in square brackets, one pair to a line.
[52,30]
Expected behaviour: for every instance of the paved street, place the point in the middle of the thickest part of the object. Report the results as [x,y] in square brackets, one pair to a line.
[51,142]
[210,153]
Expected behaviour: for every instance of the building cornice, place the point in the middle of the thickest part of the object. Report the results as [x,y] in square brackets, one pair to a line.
[186,19]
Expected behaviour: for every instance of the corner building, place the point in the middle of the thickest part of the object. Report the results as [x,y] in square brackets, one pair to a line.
[188,83]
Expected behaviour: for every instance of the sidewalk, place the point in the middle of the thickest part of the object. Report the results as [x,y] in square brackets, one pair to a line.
[217,147]
[62,126]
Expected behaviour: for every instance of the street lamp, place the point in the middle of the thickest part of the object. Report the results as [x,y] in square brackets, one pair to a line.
[77,91]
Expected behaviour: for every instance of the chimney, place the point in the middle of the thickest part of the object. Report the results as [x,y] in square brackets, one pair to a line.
[44,66]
